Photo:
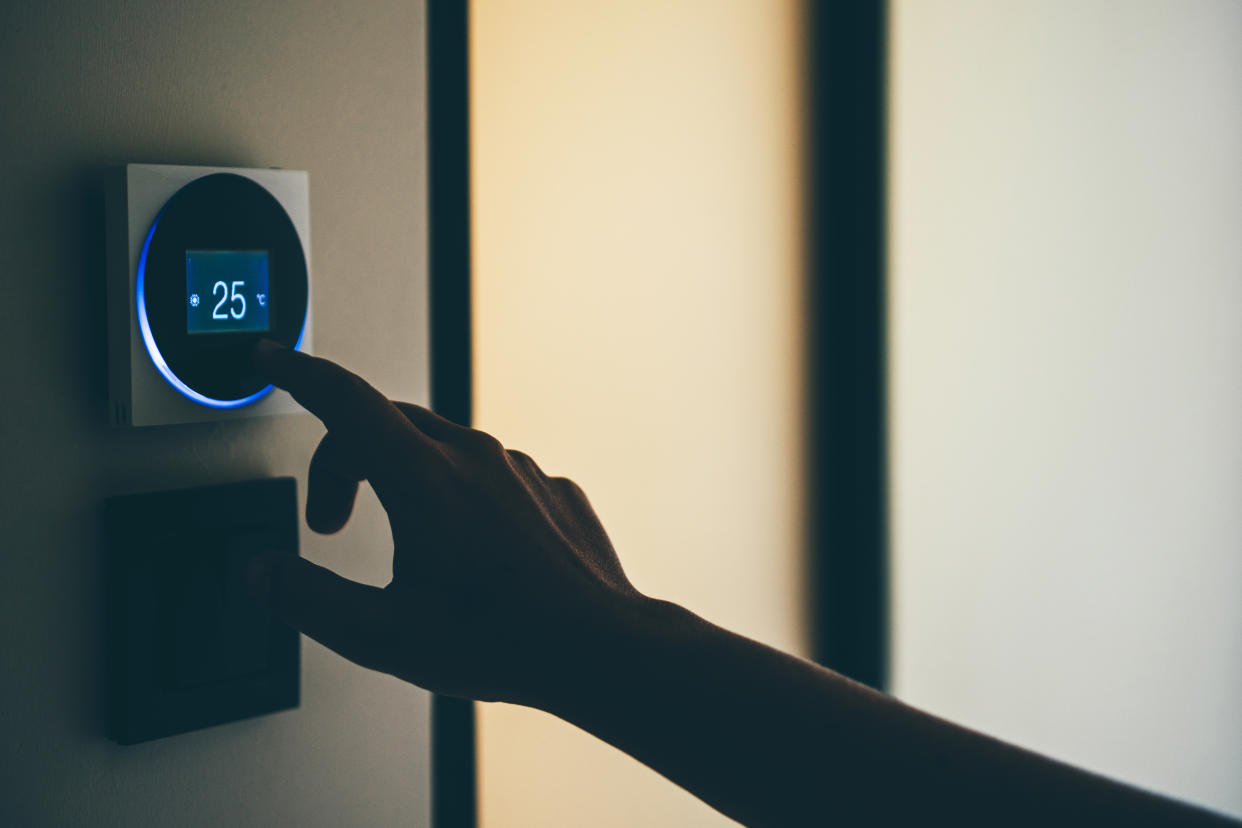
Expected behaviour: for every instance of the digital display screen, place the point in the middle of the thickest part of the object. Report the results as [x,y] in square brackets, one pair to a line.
[226,291]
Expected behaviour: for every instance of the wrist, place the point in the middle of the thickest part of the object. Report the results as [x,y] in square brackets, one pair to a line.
[617,658]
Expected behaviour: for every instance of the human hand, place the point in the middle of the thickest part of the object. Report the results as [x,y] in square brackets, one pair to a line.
[503,578]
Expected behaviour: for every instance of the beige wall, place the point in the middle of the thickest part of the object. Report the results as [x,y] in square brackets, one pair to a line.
[637,328]
[333,88]
[1066,323]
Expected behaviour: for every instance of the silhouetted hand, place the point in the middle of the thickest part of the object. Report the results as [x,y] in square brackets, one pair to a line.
[505,588]
[501,574]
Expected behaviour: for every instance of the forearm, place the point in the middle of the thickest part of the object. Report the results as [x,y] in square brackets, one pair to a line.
[770,739]
[505,586]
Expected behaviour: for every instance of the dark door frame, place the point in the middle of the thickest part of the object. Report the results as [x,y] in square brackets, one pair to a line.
[453,788]
[847,395]
[847,399]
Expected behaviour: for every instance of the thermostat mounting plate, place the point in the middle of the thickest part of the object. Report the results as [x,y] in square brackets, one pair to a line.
[202,263]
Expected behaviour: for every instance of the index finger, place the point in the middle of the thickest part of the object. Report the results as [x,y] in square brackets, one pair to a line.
[346,403]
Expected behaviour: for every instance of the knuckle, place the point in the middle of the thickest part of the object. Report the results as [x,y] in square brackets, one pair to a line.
[568,487]
[484,442]
[408,410]
[358,386]
[522,459]
[526,464]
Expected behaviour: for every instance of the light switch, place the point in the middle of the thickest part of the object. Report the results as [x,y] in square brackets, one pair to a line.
[188,647]
[211,629]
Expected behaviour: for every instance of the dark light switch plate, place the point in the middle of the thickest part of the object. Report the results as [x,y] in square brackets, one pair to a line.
[187,646]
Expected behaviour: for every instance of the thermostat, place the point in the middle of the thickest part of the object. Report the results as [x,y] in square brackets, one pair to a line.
[203,262]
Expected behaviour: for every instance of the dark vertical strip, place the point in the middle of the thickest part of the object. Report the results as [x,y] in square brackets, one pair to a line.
[849,503]
[448,169]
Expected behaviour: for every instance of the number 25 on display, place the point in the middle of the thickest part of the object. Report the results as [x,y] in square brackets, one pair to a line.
[231,297]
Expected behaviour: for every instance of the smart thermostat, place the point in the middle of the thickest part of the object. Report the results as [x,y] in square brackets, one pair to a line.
[203,262]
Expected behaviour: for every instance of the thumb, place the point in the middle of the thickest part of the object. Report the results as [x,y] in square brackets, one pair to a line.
[354,620]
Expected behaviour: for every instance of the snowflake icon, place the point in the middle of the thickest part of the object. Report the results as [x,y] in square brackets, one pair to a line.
[194,300]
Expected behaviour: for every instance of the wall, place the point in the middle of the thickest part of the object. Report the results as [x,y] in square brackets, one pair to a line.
[333,88]
[1066,346]
[637,287]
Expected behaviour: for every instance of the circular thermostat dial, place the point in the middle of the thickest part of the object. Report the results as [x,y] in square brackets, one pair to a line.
[232,221]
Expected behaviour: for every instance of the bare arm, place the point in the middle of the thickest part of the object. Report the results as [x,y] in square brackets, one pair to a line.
[770,739]
[506,588]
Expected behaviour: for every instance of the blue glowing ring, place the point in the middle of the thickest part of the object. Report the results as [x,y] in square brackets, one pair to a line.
[153,350]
